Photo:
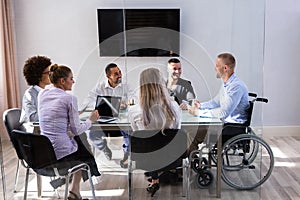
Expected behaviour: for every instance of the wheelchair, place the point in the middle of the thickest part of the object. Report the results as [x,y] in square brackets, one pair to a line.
[247,160]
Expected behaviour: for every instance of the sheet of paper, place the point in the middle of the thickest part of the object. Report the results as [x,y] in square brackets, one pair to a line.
[205,113]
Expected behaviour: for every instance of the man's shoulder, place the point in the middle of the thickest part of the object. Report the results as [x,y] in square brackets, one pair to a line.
[100,86]
[237,81]
[238,84]
[182,81]
[127,86]
[102,83]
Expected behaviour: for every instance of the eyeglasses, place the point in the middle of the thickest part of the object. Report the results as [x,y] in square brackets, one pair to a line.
[47,72]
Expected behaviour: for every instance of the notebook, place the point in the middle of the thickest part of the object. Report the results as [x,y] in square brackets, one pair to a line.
[108,107]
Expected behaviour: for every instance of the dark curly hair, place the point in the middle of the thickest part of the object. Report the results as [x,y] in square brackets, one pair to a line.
[34,67]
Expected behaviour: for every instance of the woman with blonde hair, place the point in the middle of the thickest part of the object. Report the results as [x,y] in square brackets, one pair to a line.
[155,111]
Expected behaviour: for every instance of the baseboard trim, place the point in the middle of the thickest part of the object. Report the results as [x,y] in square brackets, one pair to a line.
[280,130]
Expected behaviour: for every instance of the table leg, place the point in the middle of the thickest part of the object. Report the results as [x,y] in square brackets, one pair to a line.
[186,178]
[219,166]
[39,185]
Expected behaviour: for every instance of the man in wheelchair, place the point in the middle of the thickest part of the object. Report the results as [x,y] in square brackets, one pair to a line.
[230,105]
[241,161]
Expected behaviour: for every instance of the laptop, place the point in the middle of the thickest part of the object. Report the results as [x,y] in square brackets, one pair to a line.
[108,107]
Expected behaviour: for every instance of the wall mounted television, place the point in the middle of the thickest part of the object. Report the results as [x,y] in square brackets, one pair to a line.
[144,32]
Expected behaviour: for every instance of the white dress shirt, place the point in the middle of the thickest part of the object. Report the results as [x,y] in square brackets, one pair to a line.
[29,111]
[104,89]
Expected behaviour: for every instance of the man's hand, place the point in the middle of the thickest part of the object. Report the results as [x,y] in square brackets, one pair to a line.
[183,106]
[123,105]
[94,116]
[196,104]
[194,109]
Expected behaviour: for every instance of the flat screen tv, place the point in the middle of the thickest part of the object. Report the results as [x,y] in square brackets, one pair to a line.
[139,32]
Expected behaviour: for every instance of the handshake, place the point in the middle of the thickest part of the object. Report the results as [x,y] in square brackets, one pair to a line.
[194,108]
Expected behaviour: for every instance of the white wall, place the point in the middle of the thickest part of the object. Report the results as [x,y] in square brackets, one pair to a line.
[281,67]
[66,31]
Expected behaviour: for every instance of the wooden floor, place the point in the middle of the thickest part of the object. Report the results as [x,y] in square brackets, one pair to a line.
[284,182]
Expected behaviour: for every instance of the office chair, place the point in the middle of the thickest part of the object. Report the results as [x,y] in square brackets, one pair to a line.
[36,152]
[158,150]
[11,119]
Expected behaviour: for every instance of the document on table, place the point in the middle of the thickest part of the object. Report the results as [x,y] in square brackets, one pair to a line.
[205,113]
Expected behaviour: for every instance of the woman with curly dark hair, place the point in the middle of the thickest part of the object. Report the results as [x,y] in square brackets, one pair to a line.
[36,73]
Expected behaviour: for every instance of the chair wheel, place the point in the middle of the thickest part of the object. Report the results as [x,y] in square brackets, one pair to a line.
[204,179]
[199,164]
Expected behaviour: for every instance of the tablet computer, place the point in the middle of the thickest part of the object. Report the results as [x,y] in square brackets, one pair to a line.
[108,107]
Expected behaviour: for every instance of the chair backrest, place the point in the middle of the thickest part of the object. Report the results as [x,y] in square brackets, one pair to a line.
[251,105]
[250,109]
[157,149]
[11,119]
[35,149]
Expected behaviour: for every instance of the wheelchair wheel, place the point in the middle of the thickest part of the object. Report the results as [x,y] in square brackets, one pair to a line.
[199,164]
[253,149]
[204,178]
[247,167]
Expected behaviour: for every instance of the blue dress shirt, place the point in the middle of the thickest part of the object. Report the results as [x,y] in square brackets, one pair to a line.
[232,102]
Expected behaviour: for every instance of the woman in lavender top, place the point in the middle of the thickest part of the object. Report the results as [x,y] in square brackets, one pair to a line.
[58,117]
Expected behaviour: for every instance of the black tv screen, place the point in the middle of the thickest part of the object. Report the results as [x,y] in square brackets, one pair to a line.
[144,32]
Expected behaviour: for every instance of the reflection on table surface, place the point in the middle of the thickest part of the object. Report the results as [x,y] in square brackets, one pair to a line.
[122,122]
[186,119]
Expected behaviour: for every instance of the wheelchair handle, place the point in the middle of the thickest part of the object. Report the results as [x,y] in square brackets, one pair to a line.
[251,94]
[262,100]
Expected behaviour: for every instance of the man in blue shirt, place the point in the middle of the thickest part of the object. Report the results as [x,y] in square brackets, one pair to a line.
[232,103]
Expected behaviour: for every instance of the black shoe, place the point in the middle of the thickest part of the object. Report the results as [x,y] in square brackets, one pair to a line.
[124,161]
[57,182]
[147,174]
[152,188]
[107,152]
[75,197]
[123,164]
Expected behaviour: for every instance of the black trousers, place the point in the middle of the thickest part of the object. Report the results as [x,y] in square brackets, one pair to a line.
[230,130]
[82,155]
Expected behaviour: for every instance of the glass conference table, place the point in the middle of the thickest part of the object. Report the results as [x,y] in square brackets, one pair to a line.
[192,124]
